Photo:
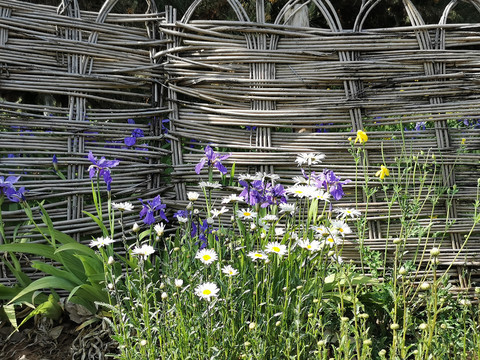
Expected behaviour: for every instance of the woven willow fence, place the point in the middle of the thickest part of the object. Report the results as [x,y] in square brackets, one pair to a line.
[269,91]
[263,91]
[70,81]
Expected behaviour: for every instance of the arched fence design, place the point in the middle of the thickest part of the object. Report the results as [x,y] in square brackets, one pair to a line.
[263,91]
[269,91]
[72,82]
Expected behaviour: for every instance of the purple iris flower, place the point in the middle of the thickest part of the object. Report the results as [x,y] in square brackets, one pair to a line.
[214,159]
[274,195]
[132,139]
[101,168]
[420,125]
[55,162]
[182,213]
[331,183]
[8,182]
[7,187]
[15,195]
[253,193]
[203,230]
[147,214]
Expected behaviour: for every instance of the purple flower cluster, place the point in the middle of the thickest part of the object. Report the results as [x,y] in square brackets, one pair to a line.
[8,189]
[330,182]
[260,192]
[132,139]
[147,214]
[212,159]
[101,168]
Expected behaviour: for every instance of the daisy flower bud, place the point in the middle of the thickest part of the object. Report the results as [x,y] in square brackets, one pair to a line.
[435,252]
[394,326]
[136,228]
[423,326]
[424,286]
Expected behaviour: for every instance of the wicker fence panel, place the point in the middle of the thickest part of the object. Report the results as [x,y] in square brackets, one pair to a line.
[71,82]
[268,91]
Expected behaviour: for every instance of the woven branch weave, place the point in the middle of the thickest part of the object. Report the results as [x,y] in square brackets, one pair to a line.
[263,91]
[269,91]
[72,82]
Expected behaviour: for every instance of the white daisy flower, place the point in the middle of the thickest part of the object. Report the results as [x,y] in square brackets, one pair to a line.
[182,219]
[123,206]
[209,185]
[264,175]
[206,256]
[229,270]
[343,213]
[309,245]
[207,290]
[276,247]
[309,158]
[340,227]
[279,231]
[159,229]
[246,214]
[302,191]
[216,212]
[337,258]
[270,218]
[145,251]
[101,242]
[322,195]
[178,283]
[331,240]
[256,255]
[192,196]
[287,208]
[232,198]
[248,177]
[300,180]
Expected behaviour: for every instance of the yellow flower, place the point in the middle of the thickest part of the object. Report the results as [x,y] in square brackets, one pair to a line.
[464,141]
[383,172]
[361,137]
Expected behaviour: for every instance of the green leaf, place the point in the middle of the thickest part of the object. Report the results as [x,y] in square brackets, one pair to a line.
[144,234]
[50,309]
[10,312]
[16,270]
[77,248]
[92,265]
[45,283]
[60,236]
[55,271]
[47,221]
[98,222]
[37,249]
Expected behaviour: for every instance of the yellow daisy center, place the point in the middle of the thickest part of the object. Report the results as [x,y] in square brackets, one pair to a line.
[246,213]
[206,257]
[207,292]
[276,249]
[309,246]
[258,255]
